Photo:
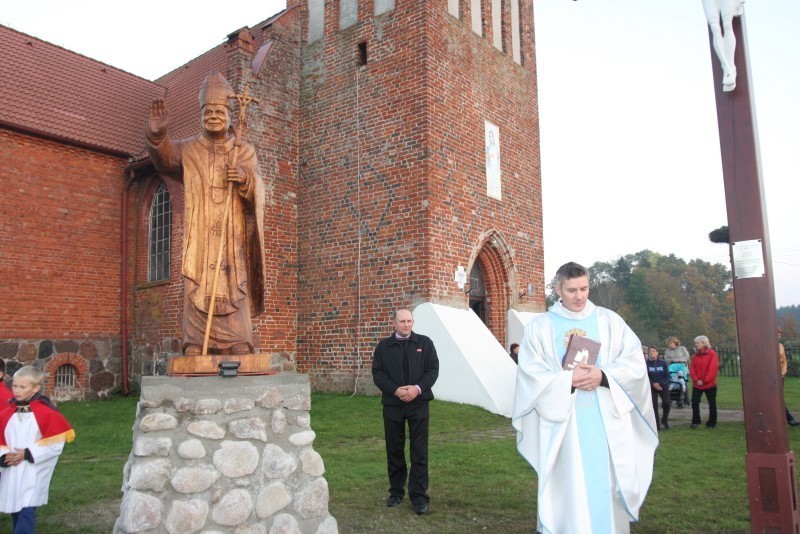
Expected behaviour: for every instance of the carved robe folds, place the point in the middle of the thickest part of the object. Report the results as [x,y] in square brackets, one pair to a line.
[200,163]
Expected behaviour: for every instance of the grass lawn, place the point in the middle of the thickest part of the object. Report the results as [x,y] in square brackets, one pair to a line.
[478,481]
[729,393]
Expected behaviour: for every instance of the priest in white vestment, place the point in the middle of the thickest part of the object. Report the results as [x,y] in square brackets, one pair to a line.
[590,433]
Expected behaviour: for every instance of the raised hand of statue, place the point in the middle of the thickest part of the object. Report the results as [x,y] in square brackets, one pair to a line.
[159,118]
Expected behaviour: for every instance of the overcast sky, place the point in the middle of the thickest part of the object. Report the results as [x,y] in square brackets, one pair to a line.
[630,149]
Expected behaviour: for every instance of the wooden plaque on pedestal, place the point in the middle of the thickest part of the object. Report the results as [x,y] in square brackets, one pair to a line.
[205,365]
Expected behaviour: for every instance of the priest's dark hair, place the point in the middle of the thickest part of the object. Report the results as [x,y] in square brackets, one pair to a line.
[569,271]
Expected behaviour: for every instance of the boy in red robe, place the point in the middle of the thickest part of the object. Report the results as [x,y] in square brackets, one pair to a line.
[32,436]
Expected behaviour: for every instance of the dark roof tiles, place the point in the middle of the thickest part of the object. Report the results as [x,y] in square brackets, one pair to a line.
[52,91]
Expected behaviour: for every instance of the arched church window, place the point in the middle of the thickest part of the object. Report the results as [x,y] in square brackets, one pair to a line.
[160,235]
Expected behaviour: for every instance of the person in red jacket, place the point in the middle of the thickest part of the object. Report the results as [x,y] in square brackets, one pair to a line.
[704,368]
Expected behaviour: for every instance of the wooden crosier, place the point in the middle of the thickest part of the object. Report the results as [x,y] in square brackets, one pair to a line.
[244,99]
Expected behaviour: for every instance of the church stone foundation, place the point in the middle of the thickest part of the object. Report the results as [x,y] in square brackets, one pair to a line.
[231,454]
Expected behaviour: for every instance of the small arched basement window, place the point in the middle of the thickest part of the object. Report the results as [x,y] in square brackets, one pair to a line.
[66,376]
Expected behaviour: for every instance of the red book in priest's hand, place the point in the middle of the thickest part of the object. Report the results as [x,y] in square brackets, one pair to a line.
[580,350]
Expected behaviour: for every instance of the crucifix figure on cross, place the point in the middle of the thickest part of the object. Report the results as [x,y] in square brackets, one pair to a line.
[719,14]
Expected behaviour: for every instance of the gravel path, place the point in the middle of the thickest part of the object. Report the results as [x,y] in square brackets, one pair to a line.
[683,416]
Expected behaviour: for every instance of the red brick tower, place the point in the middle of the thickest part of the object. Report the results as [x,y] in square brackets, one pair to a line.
[395,186]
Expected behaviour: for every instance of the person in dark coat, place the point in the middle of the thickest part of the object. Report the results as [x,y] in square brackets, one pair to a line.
[405,367]
[658,372]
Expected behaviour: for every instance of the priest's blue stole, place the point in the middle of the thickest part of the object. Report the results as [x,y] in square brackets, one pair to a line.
[591,430]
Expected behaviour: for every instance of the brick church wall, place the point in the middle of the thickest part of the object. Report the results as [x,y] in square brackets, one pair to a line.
[59,274]
[363,177]
[471,81]
[393,188]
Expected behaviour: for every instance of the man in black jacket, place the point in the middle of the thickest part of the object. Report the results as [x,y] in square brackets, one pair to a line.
[405,367]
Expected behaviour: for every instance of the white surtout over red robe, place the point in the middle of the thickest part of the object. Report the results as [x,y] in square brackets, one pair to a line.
[44,432]
[544,417]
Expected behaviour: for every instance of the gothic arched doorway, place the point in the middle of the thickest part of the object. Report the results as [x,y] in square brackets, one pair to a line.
[491,281]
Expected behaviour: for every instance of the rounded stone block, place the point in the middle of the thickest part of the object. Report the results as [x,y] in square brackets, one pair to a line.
[298,401]
[152,476]
[328,526]
[27,352]
[151,446]
[153,422]
[186,517]
[271,398]
[272,499]
[233,508]
[285,524]
[206,429]
[139,512]
[8,349]
[301,439]
[207,407]
[88,350]
[191,449]
[303,421]
[183,405]
[312,463]
[238,405]
[194,479]
[236,458]
[277,462]
[279,422]
[251,428]
[45,349]
[312,501]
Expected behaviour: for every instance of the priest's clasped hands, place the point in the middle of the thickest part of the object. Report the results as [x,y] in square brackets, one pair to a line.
[586,377]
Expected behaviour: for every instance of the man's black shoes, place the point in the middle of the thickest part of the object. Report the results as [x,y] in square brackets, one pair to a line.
[393,501]
[793,422]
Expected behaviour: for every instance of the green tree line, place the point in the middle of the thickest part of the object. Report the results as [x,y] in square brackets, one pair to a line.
[661,296]
[788,320]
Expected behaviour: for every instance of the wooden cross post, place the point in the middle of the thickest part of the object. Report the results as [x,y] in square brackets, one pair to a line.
[771,467]
[243,100]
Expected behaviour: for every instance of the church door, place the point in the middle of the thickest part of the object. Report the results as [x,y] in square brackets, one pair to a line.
[477,292]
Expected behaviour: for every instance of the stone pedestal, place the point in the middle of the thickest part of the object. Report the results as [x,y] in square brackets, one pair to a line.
[224,454]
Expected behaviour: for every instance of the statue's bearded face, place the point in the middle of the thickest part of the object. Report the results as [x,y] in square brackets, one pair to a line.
[216,119]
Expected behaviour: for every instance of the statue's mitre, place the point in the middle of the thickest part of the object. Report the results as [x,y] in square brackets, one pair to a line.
[215,89]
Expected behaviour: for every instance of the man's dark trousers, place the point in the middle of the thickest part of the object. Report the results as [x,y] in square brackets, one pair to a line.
[394,426]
